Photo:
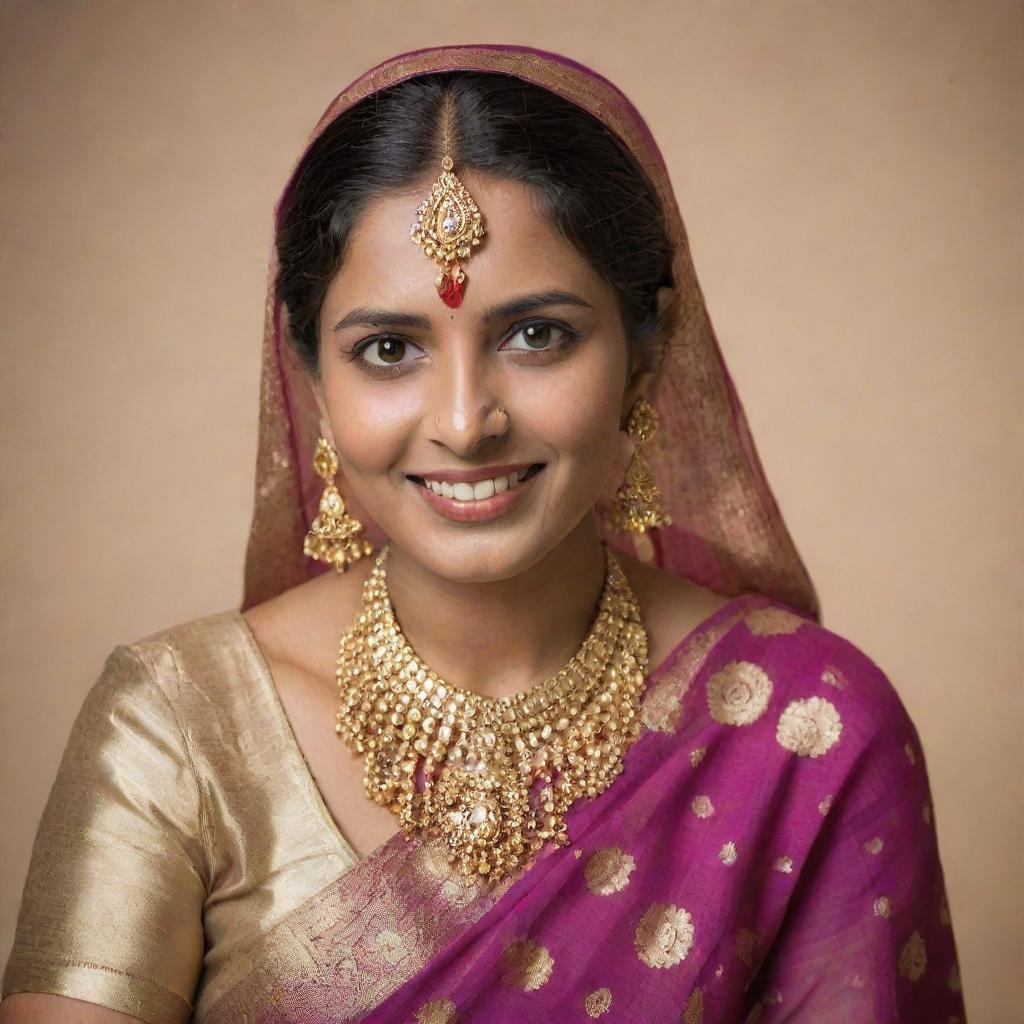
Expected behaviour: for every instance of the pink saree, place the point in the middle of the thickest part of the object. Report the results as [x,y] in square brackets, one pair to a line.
[769,851]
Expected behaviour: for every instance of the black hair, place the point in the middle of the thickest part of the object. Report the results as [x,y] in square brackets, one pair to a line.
[589,183]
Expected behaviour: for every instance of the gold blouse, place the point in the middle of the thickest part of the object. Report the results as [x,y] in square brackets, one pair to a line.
[184,823]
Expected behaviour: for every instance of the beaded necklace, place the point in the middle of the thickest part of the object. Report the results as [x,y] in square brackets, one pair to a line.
[491,778]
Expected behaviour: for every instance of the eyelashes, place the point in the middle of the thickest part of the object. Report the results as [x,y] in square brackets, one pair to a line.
[567,338]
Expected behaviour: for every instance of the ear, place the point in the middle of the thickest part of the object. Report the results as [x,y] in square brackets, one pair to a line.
[645,362]
[325,420]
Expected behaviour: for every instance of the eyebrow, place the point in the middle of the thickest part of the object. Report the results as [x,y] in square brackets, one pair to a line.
[364,316]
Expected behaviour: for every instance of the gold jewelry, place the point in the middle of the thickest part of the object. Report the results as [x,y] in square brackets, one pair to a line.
[478,758]
[448,224]
[637,504]
[334,535]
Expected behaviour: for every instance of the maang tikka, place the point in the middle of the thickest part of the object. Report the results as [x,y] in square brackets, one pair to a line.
[637,503]
[448,224]
[334,535]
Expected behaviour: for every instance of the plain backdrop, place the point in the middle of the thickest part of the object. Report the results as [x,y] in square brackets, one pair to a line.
[851,177]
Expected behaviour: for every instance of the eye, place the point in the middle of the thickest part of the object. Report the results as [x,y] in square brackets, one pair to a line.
[538,337]
[383,352]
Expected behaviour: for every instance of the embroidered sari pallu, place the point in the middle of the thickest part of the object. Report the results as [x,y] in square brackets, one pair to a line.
[768,853]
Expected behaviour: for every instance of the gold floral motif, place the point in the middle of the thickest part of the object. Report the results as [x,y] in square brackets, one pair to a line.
[457,892]
[694,1012]
[913,957]
[772,622]
[783,864]
[883,906]
[437,1011]
[874,845]
[608,870]
[599,1002]
[702,806]
[833,677]
[390,947]
[577,853]
[664,935]
[719,970]
[825,806]
[909,751]
[747,942]
[953,979]
[738,693]
[809,727]
[526,964]
[727,853]
[661,709]
[696,756]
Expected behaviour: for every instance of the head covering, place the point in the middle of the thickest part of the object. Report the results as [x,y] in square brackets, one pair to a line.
[726,532]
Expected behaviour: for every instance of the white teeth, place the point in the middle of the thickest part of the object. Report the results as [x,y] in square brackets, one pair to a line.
[478,491]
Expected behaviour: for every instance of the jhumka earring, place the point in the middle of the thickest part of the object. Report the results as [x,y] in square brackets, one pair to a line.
[637,504]
[334,535]
[448,225]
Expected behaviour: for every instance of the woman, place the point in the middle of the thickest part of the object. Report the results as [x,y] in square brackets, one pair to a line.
[617,769]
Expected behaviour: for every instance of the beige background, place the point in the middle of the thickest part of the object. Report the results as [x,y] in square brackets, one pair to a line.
[851,176]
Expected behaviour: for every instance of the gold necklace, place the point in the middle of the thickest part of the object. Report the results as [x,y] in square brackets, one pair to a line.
[491,778]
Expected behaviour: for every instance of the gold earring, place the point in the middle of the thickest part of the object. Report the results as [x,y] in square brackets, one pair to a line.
[334,535]
[637,504]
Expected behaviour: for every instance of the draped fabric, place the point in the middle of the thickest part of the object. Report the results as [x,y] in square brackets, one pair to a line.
[727,532]
[768,854]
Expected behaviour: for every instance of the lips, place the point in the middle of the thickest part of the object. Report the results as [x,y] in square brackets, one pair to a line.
[453,504]
[480,486]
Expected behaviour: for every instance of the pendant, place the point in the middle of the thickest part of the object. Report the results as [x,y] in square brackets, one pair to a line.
[449,286]
[447,227]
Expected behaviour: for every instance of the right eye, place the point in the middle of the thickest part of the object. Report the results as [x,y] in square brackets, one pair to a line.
[383,352]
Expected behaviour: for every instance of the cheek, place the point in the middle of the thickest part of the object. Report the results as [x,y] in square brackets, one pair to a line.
[577,414]
[371,426]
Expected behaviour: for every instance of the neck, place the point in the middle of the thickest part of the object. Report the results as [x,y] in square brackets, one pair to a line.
[501,637]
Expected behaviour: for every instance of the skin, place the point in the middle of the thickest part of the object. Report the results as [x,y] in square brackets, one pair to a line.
[516,594]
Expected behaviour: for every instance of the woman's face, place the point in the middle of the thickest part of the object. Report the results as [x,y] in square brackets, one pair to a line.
[410,386]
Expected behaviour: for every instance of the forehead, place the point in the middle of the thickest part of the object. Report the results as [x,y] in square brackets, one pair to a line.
[521,251]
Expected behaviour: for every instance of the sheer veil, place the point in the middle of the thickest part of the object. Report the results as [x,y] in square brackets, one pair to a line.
[727,532]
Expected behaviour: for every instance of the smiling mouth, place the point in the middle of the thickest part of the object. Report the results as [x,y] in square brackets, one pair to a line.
[481,490]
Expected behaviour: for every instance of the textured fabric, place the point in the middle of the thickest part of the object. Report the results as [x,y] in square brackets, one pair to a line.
[727,532]
[183,815]
[777,798]
[768,854]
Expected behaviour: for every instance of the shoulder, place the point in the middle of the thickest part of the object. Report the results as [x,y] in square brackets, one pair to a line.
[825,689]
[300,627]
[671,606]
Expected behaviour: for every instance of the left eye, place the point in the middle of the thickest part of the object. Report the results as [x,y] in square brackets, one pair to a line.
[536,336]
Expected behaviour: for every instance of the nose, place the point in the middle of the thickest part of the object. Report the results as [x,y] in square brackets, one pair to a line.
[462,416]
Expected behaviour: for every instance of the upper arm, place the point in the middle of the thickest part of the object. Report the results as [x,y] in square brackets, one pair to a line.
[111,912]
[32,1008]
[867,936]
